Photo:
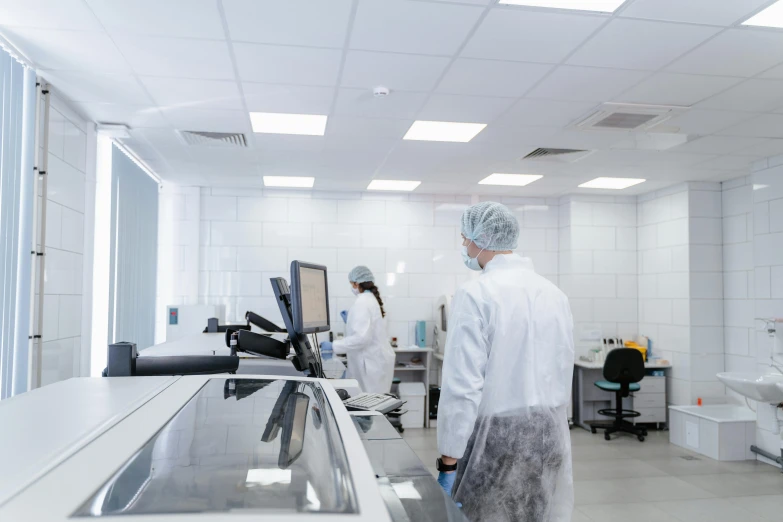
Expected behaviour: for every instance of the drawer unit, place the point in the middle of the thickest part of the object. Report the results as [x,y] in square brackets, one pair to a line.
[649,400]
[653,385]
[650,415]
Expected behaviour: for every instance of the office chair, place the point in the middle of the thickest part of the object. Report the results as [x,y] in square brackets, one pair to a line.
[623,369]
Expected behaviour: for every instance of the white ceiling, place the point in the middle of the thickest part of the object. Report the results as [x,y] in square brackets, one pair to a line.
[167,65]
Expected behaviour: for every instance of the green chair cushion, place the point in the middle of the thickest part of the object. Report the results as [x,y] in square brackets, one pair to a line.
[614,386]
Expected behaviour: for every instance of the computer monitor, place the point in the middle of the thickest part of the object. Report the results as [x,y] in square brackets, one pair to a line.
[309,298]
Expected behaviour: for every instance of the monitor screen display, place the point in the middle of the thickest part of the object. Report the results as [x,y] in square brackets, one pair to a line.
[313,297]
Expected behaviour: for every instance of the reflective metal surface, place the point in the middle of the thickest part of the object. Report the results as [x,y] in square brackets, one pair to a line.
[374,427]
[266,446]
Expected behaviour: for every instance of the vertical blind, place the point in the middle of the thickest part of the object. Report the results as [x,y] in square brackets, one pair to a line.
[17,94]
[134,253]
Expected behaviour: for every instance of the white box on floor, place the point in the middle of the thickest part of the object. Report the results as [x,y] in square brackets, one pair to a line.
[413,394]
[719,431]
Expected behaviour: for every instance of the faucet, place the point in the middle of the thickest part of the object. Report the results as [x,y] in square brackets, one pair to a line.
[769,325]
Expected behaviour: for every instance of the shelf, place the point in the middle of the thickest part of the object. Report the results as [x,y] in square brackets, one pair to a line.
[416,369]
[412,350]
[438,356]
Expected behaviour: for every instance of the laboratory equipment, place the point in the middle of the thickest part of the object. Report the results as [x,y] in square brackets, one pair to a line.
[442,306]
[123,361]
[373,402]
[309,298]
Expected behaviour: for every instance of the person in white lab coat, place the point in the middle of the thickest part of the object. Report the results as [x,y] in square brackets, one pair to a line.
[509,356]
[370,355]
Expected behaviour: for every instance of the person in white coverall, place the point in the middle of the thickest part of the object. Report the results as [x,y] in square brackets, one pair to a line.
[370,356]
[509,358]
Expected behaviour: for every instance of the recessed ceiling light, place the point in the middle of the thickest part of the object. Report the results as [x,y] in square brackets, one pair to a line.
[443,131]
[277,123]
[772,16]
[510,180]
[603,6]
[393,184]
[289,181]
[612,183]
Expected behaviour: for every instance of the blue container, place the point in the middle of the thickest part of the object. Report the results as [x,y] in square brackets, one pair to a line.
[421,334]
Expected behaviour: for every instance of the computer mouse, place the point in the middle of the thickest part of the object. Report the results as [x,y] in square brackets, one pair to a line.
[343,394]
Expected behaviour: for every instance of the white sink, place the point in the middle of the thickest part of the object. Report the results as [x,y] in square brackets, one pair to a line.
[759,387]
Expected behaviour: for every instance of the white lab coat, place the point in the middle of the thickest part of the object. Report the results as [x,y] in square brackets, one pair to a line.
[507,373]
[370,356]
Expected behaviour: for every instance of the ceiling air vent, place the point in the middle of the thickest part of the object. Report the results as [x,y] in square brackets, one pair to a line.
[559,155]
[225,140]
[628,117]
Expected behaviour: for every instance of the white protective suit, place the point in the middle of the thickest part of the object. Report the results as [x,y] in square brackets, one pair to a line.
[507,372]
[370,356]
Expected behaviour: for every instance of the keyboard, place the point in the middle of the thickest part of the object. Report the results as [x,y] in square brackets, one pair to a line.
[373,402]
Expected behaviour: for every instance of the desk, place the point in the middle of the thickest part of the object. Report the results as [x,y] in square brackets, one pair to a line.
[588,399]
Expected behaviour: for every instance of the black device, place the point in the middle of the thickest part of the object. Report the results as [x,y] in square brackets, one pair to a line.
[309,297]
[440,466]
[214,326]
[124,361]
[305,359]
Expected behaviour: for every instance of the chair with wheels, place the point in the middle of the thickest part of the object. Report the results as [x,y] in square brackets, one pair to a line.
[623,369]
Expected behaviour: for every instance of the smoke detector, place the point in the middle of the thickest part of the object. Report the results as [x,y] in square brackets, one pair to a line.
[380,91]
[224,140]
[628,117]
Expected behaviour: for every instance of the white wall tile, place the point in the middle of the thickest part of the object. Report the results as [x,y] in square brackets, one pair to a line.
[261,259]
[384,236]
[673,233]
[776,215]
[616,262]
[739,312]
[434,237]
[532,239]
[393,285]
[738,256]
[707,339]
[56,133]
[761,218]
[362,212]
[51,317]
[448,262]
[70,316]
[580,213]
[656,311]
[706,231]
[737,201]
[54,220]
[705,366]
[673,285]
[408,213]
[657,261]
[589,286]
[705,204]
[545,263]
[735,229]
[218,208]
[227,233]
[552,240]
[735,340]
[735,285]
[75,146]
[706,312]
[592,238]
[615,310]
[409,308]
[763,282]
[776,287]
[707,285]
[318,256]
[541,216]
[333,235]
[72,230]
[374,259]
[768,249]
[266,209]
[232,284]
[429,285]
[63,272]
[312,211]
[679,205]
[409,261]
[648,237]
[218,258]
[706,258]
[576,262]
[66,184]
[626,238]
[648,286]
[288,234]
[681,310]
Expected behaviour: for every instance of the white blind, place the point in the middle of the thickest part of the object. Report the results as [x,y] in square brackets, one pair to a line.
[134,253]
[17,93]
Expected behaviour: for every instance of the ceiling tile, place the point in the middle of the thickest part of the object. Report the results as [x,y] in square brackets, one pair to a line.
[293,22]
[176,57]
[279,64]
[177,18]
[396,71]
[764,126]
[585,140]
[452,107]
[718,145]
[101,88]
[530,36]
[694,11]
[352,129]
[677,89]
[295,99]
[519,135]
[737,52]
[48,14]
[545,113]
[570,83]
[770,147]
[207,120]
[67,50]
[361,102]
[697,121]
[640,44]
[134,116]
[775,72]
[728,162]
[491,78]
[412,27]
[199,94]
[752,95]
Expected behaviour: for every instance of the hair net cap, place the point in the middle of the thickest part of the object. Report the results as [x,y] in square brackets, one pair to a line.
[361,274]
[491,226]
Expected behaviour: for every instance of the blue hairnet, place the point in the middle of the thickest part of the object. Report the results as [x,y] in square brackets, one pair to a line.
[361,274]
[491,226]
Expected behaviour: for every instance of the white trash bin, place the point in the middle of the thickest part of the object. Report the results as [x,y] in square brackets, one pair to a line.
[413,393]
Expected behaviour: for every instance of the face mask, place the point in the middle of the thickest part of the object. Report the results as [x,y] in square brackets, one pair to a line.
[470,262]
[355,291]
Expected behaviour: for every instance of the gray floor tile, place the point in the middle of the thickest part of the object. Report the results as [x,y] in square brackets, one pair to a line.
[614,468]
[769,507]
[578,516]
[738,484]
[635,512]
[713,510]
[649,489]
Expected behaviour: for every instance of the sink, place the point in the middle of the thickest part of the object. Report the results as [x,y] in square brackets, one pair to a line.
[759,387]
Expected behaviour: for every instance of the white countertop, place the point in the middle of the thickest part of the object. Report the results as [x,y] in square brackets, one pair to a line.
[597,366]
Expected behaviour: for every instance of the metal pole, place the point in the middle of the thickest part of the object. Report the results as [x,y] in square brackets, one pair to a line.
[33,361]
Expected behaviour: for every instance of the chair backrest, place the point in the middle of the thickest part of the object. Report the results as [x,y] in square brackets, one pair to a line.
[624,366]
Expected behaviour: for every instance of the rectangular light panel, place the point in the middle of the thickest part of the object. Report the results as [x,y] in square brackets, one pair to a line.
[278,123]
[602,6]
[510,180]
[612,183]
[391,184]
[443,131]
[772,16]
[289,181]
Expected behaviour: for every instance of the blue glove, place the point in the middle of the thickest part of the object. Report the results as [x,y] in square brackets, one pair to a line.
[446,481]
[326,346]
[344,315]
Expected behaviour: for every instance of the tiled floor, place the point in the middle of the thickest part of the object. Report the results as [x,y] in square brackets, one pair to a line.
[627,480]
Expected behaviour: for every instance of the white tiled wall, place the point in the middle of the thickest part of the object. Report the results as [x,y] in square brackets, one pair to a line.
[766,184]
[598,265]
[65,244]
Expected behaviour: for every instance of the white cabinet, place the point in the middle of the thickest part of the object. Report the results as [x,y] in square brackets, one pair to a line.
[650,400]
